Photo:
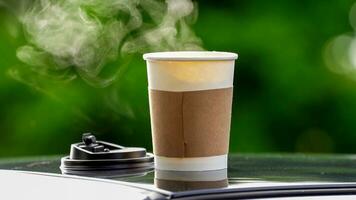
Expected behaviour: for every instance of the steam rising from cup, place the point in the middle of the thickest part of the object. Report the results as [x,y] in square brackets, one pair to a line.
[80,37]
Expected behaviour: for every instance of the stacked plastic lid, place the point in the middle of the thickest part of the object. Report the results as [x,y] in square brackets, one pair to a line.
[97,158]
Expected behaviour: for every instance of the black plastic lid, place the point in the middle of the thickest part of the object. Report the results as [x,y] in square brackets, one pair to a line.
[98,158]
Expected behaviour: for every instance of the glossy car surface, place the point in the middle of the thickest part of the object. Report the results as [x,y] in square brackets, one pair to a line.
[251,176]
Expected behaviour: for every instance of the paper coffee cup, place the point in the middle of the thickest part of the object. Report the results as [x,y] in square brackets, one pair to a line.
[190,95]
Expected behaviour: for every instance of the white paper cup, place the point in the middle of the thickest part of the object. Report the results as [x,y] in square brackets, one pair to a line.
[190,106]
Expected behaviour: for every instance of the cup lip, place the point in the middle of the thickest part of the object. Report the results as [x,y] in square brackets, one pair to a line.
[189,56]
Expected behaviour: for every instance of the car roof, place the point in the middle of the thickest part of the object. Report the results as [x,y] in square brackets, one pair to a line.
[246,173]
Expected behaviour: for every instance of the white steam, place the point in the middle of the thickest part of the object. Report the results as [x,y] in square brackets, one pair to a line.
[84,35]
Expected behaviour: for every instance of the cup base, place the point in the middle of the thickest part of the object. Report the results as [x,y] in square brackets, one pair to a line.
[191,164]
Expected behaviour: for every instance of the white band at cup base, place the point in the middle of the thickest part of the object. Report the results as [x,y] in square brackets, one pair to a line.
[191,164]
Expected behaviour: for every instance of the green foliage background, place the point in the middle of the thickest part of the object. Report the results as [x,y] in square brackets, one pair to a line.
[285,98]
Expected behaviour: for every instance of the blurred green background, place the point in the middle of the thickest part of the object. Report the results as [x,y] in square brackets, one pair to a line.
[286,99]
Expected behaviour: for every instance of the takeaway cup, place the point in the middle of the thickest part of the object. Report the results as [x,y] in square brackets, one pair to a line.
[190,94]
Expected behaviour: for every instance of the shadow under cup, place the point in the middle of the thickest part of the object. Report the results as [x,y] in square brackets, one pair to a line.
[190,96]
[192,180]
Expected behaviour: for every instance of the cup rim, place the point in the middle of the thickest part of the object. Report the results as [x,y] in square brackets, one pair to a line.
[190,56]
